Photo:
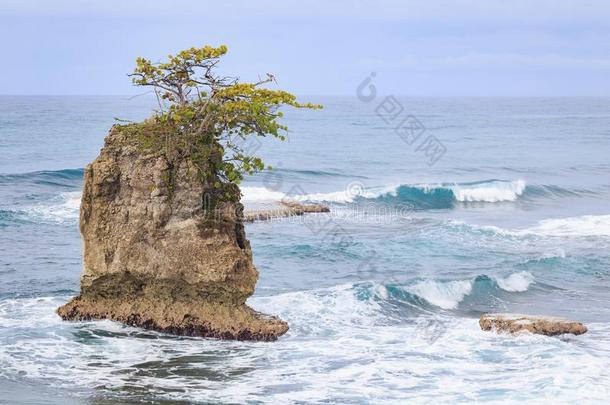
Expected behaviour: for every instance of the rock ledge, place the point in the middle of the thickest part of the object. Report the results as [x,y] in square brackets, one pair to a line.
[283,210]
[542,325]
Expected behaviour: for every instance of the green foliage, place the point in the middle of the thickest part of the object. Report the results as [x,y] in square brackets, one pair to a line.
[208,118]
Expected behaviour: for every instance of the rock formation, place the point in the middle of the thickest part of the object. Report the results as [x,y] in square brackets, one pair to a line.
[156,257]
[285,209]
[542,325]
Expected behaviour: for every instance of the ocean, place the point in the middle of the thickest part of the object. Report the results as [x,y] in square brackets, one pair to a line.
[442,209]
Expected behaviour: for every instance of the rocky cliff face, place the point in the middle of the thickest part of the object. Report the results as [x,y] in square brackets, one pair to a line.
[155,258]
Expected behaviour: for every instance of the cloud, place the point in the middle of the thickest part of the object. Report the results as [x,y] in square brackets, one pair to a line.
[502,61]
[316,47]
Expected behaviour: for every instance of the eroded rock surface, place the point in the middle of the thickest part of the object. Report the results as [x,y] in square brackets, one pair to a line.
[283,210]
[155,258]
[542,325]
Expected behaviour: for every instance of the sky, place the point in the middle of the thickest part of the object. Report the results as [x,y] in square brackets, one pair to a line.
[415,48]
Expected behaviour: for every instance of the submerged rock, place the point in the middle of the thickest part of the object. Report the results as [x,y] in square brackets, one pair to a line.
[542,325]
[156,257]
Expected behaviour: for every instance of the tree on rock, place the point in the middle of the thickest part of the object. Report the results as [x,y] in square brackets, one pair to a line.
[209,118]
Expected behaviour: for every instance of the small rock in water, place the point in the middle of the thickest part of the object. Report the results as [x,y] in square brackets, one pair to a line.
[542,325]
[284,209]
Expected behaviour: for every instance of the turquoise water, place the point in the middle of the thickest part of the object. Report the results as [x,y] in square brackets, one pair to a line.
[382,295]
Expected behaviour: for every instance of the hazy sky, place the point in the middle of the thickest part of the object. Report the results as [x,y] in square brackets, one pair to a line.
[327,47]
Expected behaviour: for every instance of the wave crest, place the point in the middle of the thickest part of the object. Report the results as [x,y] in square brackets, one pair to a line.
[449,294]
[421,196]
[62,209]
[586,225]
[65,177]
[581,226]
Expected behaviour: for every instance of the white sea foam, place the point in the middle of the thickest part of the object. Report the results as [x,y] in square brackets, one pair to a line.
[446,295]
[257,194]
[516,282]
[586,225]
[337,344]
[65,207]
[582,226]
[493,191]
[262,194]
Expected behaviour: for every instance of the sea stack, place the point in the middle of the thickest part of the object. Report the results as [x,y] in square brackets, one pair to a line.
[161,251]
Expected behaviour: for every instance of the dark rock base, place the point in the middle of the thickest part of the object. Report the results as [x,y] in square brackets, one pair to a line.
[203,319]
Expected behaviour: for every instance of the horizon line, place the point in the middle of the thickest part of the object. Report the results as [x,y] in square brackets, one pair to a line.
[335,95]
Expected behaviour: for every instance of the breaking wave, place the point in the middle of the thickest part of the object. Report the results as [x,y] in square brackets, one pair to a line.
[586,225]
[449,294]
[60,209]
[443,195]
[581,226]
[419,196]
